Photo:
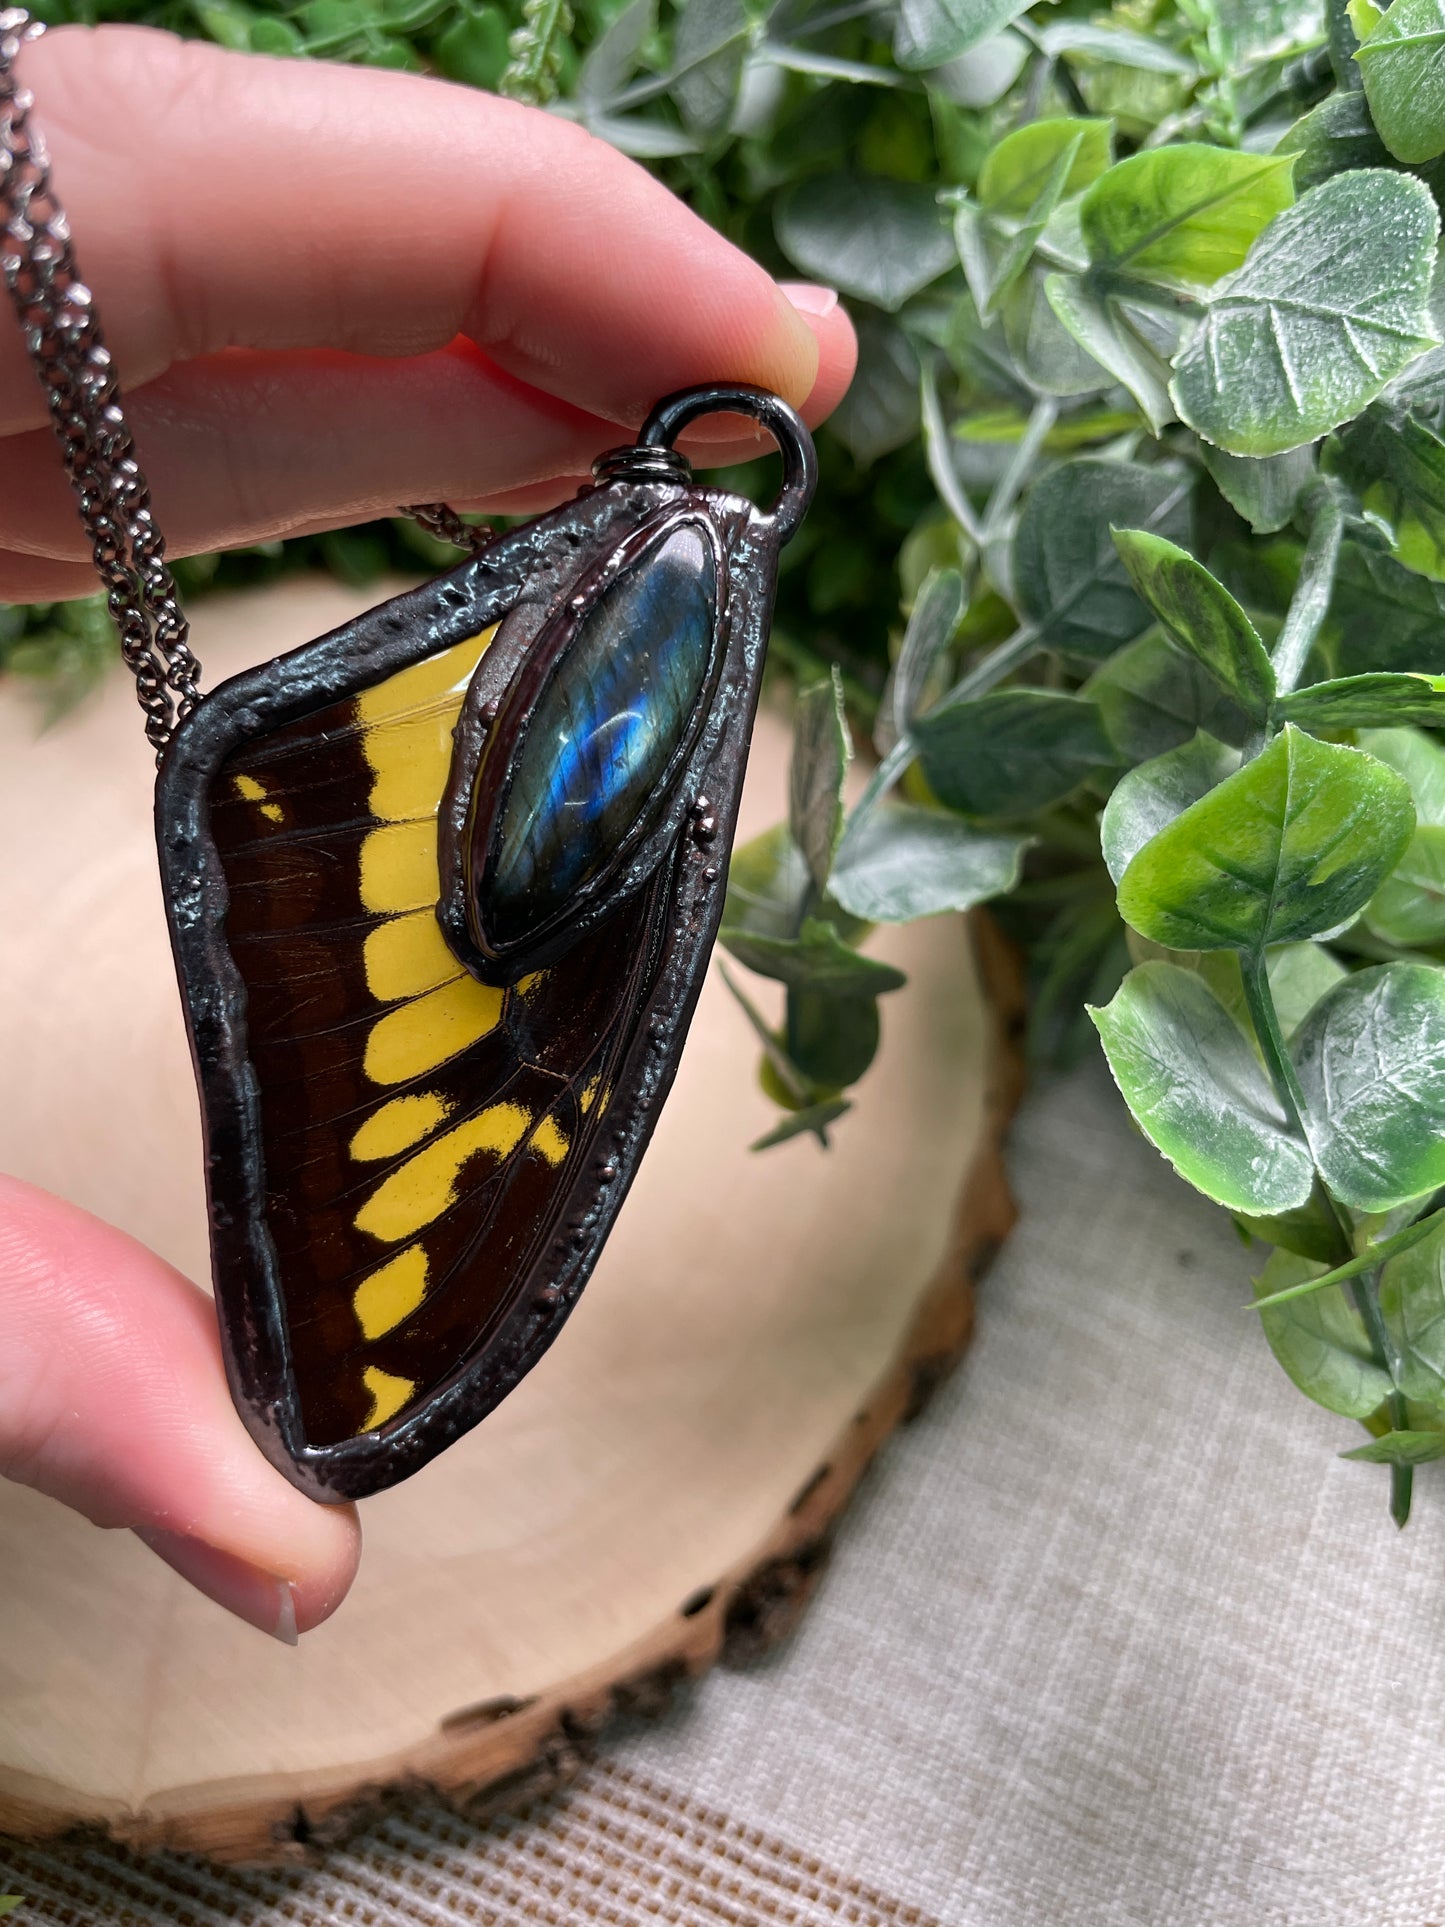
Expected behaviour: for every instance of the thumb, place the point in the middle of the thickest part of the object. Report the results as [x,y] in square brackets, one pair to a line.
[113,1400]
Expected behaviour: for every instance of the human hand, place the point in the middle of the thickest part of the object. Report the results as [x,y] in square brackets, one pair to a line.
[327,290]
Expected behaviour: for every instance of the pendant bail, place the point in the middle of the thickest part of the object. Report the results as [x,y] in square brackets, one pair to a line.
[800,461]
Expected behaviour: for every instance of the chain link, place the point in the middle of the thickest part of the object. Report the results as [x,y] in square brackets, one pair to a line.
[447,526]
[57,315]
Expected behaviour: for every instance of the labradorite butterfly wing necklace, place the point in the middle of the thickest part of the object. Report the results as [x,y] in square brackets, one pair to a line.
[442,888]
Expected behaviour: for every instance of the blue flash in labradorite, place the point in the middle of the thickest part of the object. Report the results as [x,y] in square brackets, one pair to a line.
[604,731]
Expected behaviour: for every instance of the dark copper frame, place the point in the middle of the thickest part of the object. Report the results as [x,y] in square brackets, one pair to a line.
[523,576]
[503,696]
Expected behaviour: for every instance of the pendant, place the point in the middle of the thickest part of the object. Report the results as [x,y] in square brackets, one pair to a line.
[442,889]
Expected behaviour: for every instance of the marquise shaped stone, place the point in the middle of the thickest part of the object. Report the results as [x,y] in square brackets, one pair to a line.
[603,732]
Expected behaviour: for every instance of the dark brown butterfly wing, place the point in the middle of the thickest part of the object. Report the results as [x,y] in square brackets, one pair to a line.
[412,1171]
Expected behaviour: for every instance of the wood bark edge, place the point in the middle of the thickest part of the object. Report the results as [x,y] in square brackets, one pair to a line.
[503,1754]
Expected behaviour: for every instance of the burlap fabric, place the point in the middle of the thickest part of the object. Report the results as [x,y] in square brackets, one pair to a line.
[1111,1636]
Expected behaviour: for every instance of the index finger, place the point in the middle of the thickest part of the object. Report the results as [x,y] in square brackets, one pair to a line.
[225,200]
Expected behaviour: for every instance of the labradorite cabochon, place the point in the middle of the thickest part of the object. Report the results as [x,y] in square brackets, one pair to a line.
[620,700]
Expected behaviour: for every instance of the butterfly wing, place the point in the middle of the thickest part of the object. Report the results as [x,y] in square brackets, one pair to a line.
[411,1170]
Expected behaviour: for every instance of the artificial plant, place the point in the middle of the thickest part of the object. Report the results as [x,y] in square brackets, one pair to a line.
[1129,559]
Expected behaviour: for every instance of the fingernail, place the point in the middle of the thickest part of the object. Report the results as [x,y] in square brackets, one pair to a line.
[808,298]
[258,1597]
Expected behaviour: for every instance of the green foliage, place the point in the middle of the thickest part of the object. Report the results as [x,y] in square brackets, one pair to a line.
[1402,59]
[1129,557]
[1200,1094]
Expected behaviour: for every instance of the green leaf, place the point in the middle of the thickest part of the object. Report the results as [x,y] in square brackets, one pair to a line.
[1018,168]
[1153,696]
[1403,64]
[880,239]
[1397,465]
[1412,1303]
[613,57]
[813,1117]
[1299,975]
[1044,351]
[779,1075]
[937,612]
[1408,909]
[1291,845]
[1264,489]
[1006,177]
[821,754]
[708,49]
[1367,702]
[767,882]
[897,863]
[1183,216]
[816,959]
[1311,1232]
[1382,616]
[984,74]
[930,32]
[1149,797]
[1200,615]
[1419,760]
[1070,581]
[1371,1062]
[1117,45]
[1321,1341]
[1199,1093]
[1010,752]
[880,410]
[1400,1448]
[1333,138]
[832,1036]
[641,136]
[1330,305]
[9,1902]
[1100,327]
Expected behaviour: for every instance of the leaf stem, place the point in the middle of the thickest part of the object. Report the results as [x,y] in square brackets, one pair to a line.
[1366,1293]
[1010,483]
[1342,46]
[1000,661]
[940,465]
[982,677]
[1260,999]
[1370,1260]
[1312,594]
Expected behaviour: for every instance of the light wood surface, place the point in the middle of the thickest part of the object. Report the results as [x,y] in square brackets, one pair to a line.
[658,1491]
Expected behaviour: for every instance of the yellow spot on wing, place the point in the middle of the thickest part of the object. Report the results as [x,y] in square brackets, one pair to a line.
[409,762]
[550,1141]
[388,1395]
[426,1185]
[398,1125]
[254,791]
[399,867]
[414,1038]
[406,955]
[391,1293]
[424,682]
[589,1094]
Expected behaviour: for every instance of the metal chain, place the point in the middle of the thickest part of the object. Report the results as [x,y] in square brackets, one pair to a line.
[57,314]
[447,526]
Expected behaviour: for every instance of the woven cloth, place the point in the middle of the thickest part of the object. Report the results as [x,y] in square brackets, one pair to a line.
[1111,1636]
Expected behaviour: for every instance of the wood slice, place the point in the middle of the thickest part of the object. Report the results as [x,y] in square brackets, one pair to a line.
[659,1492]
